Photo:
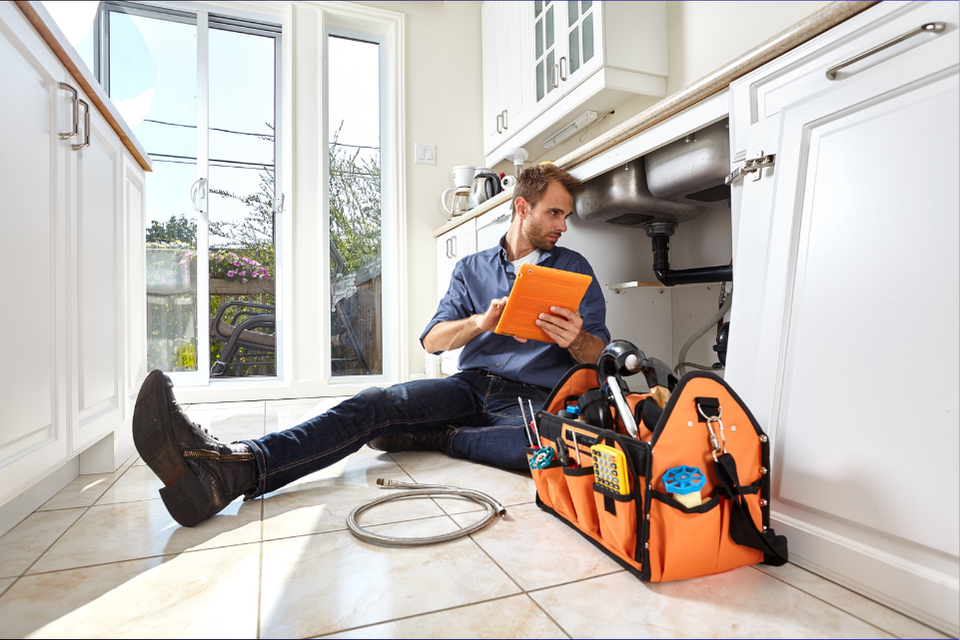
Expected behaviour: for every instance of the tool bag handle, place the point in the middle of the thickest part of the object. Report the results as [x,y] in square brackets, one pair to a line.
[742,528]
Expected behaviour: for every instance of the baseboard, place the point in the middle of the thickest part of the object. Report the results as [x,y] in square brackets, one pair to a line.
[20,506]
[922,593]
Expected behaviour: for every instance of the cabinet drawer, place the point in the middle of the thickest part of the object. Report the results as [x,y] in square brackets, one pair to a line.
[801,73]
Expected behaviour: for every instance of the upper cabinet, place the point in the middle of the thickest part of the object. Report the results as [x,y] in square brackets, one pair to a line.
[546,63]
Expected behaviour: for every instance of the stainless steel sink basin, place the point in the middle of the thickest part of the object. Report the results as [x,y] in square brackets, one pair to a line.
[692,170]
[621,197]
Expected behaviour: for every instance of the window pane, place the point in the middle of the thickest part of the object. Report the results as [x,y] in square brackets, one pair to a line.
[242,190]
[353,99]
[162,111]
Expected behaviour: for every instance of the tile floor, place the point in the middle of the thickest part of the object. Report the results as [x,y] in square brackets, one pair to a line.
[104,559]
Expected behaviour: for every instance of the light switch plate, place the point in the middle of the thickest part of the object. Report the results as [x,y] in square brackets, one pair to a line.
[424,153]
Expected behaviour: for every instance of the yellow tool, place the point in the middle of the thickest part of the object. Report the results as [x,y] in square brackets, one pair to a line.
[610,468]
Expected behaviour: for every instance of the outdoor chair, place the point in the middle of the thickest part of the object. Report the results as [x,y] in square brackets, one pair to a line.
[238,331]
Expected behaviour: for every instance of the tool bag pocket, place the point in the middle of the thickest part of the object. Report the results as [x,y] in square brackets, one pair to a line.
[683,541]
[552,487]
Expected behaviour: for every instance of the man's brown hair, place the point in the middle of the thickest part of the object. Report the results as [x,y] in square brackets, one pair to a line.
[534,181]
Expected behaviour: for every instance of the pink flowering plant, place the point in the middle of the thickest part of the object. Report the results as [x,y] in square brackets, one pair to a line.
[227,265]
[230,266]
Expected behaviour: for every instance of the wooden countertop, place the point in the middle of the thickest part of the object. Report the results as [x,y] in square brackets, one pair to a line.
[68,56]
[807,29]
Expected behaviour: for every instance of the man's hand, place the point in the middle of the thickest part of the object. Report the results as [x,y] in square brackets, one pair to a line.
[487,321]
[453,334]
[566,327]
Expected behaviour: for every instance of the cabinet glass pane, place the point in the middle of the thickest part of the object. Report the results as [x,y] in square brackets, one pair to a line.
[588,38]
[574,50]
[537,8]
[572,13]
[538,37]
[550,63]
[585,6]
[549,27]
[540,81]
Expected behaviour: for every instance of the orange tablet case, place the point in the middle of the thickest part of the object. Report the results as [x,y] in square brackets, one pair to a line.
[535,290]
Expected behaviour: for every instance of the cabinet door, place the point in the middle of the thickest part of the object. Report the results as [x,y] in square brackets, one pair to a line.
[33,415]
[583,38]
[96,270]
[452,246]
[547,50]
[492,42]
[855,372]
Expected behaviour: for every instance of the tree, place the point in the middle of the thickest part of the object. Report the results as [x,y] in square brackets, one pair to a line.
[179,230]
[354,210]
[354,204]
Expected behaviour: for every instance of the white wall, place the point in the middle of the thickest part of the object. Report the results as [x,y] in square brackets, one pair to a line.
[444,101]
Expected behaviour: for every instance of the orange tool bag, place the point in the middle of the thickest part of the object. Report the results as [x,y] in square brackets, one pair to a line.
[686,497]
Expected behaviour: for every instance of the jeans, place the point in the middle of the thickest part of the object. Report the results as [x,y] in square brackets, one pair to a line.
[483,409]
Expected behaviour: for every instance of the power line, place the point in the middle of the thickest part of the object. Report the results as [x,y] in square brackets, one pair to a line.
[193,126]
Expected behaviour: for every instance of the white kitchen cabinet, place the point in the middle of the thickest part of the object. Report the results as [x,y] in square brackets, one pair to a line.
[73,227]
[844,330]
[507,87]
[451,246]
[545,63]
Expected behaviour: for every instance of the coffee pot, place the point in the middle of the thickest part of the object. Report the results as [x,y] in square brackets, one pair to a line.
[456,201]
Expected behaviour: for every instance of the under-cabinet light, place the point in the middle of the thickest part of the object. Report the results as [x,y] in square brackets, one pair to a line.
[582,121]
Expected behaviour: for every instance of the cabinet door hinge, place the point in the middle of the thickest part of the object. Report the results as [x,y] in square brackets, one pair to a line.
[752,165]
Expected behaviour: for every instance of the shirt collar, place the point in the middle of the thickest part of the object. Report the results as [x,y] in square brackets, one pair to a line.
[544,254]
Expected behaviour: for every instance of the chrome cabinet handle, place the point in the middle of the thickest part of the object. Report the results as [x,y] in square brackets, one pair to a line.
[504,120]
[76,113]
[86,128]
[555,73]
[563,76]
[500,122]
[934,27]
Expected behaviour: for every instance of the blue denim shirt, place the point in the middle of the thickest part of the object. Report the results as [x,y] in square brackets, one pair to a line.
[479,278]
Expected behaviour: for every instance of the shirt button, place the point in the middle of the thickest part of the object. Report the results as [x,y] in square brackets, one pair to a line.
[498,364]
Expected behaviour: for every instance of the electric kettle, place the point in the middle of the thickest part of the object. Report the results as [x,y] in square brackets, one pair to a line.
[486,184]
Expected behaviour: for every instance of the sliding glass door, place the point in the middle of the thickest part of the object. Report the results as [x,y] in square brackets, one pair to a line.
[200,92]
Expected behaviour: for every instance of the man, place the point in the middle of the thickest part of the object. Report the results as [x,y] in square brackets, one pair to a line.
[473,414]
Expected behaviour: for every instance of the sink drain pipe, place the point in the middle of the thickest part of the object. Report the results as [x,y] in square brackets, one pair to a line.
[660,233]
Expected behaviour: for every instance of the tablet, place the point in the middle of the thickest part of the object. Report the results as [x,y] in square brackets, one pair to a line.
[535,290]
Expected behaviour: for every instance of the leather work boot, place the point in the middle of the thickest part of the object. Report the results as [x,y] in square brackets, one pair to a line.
[202,475]
[430,440]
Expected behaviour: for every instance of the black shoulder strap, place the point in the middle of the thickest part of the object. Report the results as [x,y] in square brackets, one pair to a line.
[742,528]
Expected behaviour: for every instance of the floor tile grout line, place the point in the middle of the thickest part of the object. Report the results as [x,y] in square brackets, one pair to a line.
[85,511]
[842,610]
[523,591]
[425,613]
[150,557]
[260,574]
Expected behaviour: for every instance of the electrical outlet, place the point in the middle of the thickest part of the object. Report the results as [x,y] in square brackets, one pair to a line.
[425,153]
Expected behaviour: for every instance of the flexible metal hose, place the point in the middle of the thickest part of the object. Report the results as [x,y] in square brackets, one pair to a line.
[414,490]
[712,322]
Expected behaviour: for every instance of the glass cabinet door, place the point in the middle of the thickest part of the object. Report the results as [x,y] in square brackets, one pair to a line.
[582,38]
[546,56]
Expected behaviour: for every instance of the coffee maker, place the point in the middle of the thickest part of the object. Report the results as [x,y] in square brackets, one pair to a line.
[458,203]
